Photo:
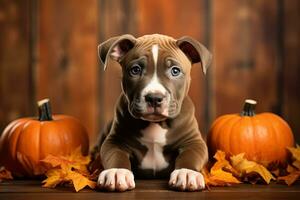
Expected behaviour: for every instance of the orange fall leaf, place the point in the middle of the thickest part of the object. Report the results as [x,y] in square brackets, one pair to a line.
[245,167]
[217,176]
[70,169]
[294,169]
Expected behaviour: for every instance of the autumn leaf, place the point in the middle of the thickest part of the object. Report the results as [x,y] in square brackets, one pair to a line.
[5,174]
[68,169]
[291,178]
[296,156]
[245,166]
[221,163]
[57,176]
[56,161]
[76,160]
[79,158]
[80,181]
[294,169]
[217,176]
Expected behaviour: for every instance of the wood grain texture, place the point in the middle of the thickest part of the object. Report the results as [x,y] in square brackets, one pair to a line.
[15,83]
[291,63]
[244,49]
[148,189]
[49,49]
[67,62]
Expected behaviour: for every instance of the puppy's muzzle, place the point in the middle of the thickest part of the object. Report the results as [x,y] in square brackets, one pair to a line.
[154,99]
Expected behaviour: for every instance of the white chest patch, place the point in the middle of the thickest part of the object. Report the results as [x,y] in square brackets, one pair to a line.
[154,138]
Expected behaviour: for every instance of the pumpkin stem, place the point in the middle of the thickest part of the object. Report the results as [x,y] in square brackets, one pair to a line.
[249,108]
[44,110]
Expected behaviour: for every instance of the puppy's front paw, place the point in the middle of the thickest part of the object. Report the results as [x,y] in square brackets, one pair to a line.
[186,180]
[116,179]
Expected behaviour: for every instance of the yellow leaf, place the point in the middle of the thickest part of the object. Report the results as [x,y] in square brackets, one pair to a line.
[79,158]
[70,169]
[221,177]
[75,160]
[217,176]
[245,166]
[56,161]
[54,177]
[80,181]
[296,155]
[221,161]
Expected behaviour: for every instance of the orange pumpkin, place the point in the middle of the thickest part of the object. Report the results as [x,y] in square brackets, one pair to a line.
[26,141]
[262,137]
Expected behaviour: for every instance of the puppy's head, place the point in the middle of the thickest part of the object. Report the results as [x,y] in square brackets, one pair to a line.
[156,71]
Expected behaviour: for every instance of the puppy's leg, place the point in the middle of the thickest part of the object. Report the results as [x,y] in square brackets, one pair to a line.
[116,179]
[115,159]
[186,176]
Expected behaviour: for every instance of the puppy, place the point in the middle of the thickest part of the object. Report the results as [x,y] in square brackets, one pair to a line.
[154,133]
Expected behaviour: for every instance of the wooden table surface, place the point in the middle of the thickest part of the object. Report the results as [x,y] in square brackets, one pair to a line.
[147,189]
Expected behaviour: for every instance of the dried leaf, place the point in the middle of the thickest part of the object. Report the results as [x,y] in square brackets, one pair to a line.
[5,174]
[56,161]
[220,178]
[57,176]
[290,169]
[54,177]
[217,176]
[70,169]
[221,163]
[246,167]
[80,181]
[296,155]
[76,160]
[291,178]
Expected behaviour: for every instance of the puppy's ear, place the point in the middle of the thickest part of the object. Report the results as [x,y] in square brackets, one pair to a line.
[115,48]
[195,51]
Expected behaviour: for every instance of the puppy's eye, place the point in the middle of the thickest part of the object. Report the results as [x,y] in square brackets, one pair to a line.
[135,70]
[175,71]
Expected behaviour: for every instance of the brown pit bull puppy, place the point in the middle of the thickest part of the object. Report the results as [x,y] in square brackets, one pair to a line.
[154,133]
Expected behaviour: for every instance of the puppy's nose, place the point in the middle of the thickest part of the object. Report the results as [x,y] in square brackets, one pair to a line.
[154,99]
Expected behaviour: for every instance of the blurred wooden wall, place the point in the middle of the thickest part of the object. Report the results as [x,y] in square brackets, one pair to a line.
[48,48]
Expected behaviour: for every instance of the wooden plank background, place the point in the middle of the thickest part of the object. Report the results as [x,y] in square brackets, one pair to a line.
[49,49]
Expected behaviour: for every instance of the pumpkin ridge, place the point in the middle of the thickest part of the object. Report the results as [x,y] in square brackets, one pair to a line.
[216,130]
[39,145]
[31,124]
[230,122]
[275,136]
[233,139]
[15,144]
[5,137]
[18,138]
[8,129]
[253,125]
